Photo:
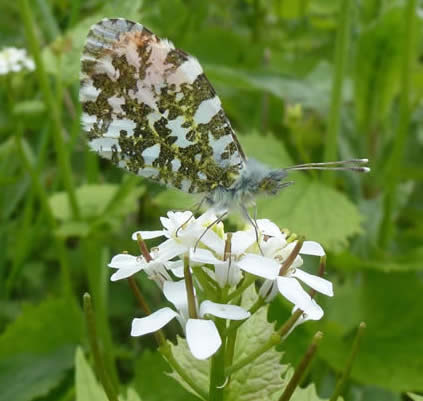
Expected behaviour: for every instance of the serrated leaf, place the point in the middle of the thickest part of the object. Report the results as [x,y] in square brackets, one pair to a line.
[308,207]
[198,370]
[86,386]
[262,378]
[43,336]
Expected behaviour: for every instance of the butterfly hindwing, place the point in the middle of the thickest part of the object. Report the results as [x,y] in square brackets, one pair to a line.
[150,109]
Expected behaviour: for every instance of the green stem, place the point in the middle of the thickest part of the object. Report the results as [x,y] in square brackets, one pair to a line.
[396,157]
[217,367]
[142,303]
[99,365]
[62,155]
[45,205]
[248,280]
[301,368]
[192,309]
[341,56]
[346,373]
[96,261]
[166,351]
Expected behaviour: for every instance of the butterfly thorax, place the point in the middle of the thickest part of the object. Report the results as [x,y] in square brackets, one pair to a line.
[254,180]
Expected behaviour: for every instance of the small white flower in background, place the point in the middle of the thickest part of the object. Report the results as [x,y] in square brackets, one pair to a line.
[202,335]
[14,60]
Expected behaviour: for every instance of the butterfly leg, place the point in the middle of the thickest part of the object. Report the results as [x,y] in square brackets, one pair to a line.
[218,220]
[253,222]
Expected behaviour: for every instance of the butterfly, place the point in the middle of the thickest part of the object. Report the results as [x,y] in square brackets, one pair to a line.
[150,109]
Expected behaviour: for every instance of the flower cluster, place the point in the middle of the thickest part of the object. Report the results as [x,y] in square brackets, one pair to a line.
[219,263]
[14,60]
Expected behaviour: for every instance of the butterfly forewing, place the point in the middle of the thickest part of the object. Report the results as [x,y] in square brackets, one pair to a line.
[150,109]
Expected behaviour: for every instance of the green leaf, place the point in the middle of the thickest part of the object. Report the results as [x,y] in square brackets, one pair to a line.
[308,394]
[198,370]
[86,385]
[391,351]
[312,92]
[152,381]
[62,57]
[415,397]
[262,379]
[308,207]
[43,336]
[377,68]
[94,200]
[26,376]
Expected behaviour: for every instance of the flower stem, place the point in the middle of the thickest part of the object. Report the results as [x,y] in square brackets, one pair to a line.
[345,374]
[95,349]
[248,280]
[301,368]
[158,335]
[341,56]
[291,257]
[192,310]
[62,154]
[396,157]
[166,351]
[217,367]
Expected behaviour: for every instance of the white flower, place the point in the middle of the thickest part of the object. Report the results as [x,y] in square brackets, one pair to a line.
[241,258]
[202,335]
[13,60]
[275,247]
[182,231]
[127,265]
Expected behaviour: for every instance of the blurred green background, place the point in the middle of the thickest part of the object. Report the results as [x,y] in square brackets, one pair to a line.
[301,81]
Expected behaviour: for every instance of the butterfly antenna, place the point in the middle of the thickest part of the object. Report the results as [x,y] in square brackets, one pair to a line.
[343,165]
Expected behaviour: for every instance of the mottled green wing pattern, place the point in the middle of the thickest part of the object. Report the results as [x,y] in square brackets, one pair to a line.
[150,109]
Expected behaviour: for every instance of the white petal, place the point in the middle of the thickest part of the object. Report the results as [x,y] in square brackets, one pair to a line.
[224,311]
[203,256]
[211,240]
[202,337]
[241,241]
[153,322]
[148,234]
[312,248]
[176,292]
[260,266]
[124,261]
[170,248]
[124,273]
[317,283]
[291,289]
[269,228]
